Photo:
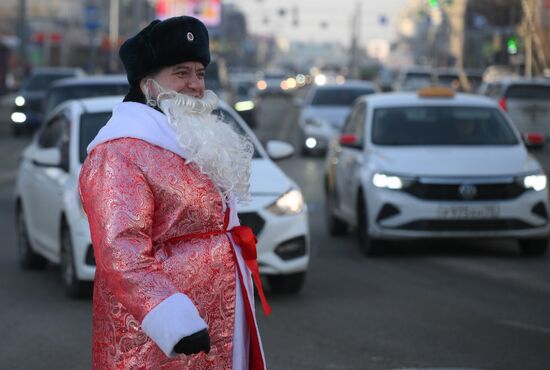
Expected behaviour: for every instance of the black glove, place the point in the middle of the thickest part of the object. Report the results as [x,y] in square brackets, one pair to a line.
[195,343]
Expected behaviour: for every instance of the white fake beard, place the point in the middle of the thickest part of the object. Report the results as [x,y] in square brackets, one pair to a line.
[219,152]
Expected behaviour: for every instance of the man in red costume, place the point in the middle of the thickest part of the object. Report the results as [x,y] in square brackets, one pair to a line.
[173,284]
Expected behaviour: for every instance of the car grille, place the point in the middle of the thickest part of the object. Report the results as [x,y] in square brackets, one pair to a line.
[498,191]
[253,220]
[465,225]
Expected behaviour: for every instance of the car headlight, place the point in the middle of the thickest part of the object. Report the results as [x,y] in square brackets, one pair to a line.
[18,117]
[392,182]
[19,101]
[536,181]
[290,203]
[245,105]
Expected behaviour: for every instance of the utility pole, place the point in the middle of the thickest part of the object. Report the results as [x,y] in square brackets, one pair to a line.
[22,39]
[532,37]
[113,35]
[356,24]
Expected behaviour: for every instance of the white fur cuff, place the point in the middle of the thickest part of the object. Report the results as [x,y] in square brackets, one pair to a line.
[172,319]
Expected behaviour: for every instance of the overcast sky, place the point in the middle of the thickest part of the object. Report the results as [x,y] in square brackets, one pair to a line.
[312,13]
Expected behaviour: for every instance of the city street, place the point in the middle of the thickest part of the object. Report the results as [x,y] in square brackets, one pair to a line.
[421,305]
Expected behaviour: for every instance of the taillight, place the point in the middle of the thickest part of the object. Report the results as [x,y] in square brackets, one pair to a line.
[502,104]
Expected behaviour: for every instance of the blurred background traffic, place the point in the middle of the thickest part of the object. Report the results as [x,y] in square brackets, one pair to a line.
[399,181]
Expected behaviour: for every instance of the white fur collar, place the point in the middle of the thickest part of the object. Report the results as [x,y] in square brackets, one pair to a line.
[139,121]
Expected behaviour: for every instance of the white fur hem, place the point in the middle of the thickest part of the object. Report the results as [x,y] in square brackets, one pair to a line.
[172,319]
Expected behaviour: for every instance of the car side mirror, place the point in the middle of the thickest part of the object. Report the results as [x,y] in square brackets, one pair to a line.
[278,150]
[533,139]
[50,157]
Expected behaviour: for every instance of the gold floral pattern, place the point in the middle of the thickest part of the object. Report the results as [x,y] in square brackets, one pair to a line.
[134,205]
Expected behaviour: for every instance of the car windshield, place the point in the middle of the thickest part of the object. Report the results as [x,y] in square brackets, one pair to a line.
[63,93]
[90,124]
[414,81]
[528,92]
[448,80]
[442,125]
[230,120]
[341,97]
[41,82]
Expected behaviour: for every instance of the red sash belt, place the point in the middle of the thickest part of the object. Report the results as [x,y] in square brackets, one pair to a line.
[245,238]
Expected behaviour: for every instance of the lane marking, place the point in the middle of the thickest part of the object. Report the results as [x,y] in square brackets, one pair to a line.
[497,273]
[524,326]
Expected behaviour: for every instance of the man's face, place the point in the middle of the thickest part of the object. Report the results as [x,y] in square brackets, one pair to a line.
[185,78]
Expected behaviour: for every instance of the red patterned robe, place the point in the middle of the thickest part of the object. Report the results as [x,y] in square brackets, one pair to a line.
[137,197]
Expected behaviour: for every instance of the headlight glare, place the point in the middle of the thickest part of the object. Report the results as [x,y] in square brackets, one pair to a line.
[392,182]
[290,203]
[536,182]
[18,117]
[20,101]
[244,105]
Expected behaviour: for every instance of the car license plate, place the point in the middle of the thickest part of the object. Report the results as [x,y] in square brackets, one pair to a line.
[469,212]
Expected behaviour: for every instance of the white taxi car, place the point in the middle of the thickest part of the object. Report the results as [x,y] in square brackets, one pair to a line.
[324,111]
[434,164]
[51,225]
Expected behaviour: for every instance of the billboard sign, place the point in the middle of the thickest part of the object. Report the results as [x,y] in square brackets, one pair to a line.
[208,11]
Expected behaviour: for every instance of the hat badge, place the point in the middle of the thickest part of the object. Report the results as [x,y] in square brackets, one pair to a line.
[190,36]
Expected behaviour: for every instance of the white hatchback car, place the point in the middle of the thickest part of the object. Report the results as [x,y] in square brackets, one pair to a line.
[434,164]
[324,110]
[51,225]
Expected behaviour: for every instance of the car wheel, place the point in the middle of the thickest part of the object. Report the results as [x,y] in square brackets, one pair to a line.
[291,283]
[367,245]
[335,225]
[74,288]
[28,259]
[533,247]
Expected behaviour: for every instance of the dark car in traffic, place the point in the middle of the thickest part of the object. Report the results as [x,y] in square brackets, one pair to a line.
[27,110]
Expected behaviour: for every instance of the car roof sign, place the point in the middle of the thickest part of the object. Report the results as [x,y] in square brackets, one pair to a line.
[436,92]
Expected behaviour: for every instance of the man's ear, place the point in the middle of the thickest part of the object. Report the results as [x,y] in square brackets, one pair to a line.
[142,85]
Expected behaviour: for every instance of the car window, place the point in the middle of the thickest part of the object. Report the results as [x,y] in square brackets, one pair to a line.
[442,125]
[355,122]
[90,124]
[448,80]
[528,91]
[492,90]
[230,120]
[59,94]
[414,81]
[53,132]
[341,97]
[40,82]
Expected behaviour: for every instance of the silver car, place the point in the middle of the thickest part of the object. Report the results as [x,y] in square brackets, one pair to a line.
[324,111]
[526,101]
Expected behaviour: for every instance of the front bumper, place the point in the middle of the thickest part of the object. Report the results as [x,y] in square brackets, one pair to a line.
[399,215]
[283,241]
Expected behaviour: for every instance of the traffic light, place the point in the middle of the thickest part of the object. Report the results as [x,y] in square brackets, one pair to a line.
[512,45]
[433,4]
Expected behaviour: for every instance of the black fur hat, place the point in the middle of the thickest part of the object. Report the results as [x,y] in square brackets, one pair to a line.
[165,43]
